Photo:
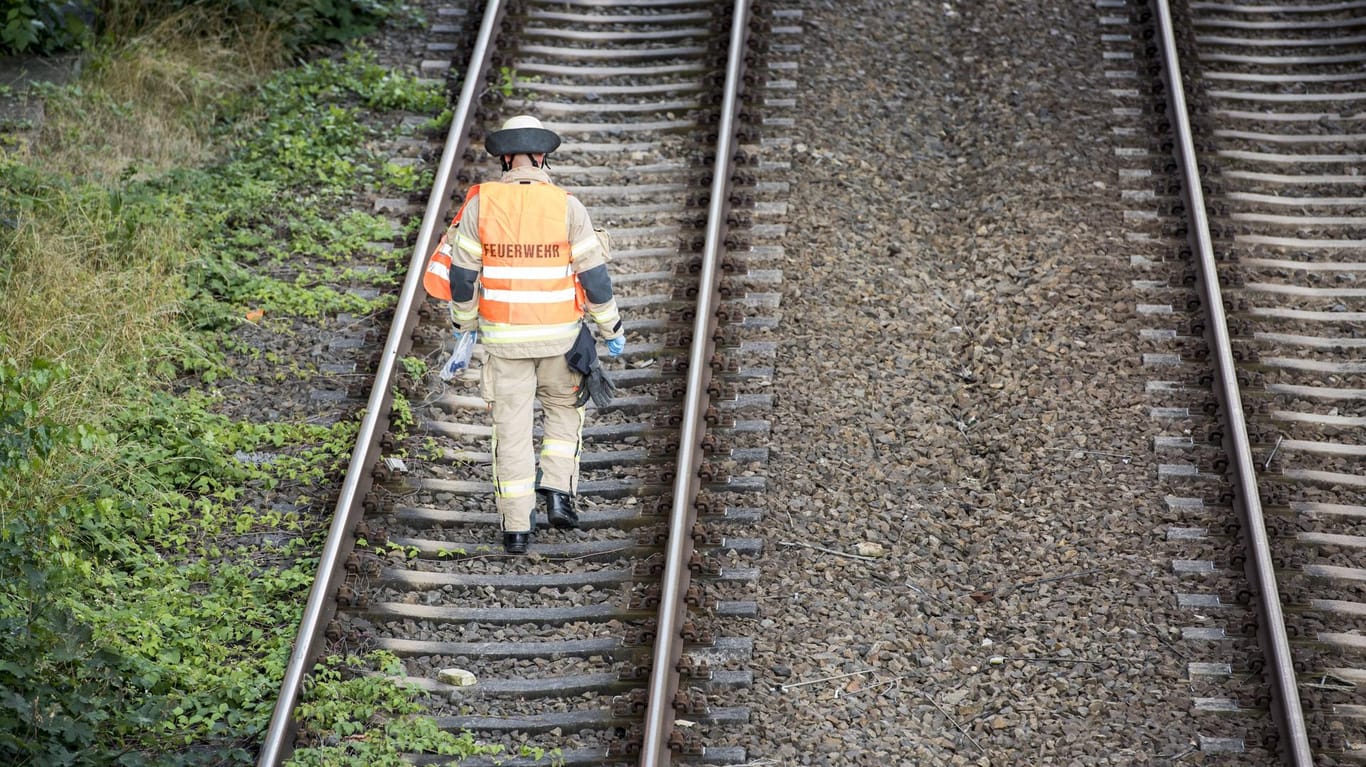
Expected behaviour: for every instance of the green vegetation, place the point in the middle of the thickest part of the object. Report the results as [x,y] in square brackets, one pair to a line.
[49,26]
[44,26]
[155,553]
[507,82]
[344,702]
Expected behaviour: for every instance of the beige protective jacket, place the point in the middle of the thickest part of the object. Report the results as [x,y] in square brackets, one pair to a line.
[588,253]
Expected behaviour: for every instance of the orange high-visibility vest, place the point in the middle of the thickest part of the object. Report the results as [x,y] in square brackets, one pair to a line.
[437,278]
[527,277]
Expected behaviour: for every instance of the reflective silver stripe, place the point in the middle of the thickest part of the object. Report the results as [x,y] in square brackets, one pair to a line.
[468,244]
[496,333]
[527,272]
[559,447]
[440,270]
[607,316]
[586,245]
[515,488]
[528,296]
[445,248]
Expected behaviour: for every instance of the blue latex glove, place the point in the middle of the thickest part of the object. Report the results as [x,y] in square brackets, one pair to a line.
[615,346]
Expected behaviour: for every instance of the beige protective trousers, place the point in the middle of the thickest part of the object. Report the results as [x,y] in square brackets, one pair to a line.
[511,387]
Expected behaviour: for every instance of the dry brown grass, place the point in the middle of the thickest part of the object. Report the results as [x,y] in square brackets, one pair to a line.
[148,102]
[98,308]
[79,285]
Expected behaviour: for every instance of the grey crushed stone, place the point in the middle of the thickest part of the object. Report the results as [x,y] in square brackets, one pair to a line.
[959,381]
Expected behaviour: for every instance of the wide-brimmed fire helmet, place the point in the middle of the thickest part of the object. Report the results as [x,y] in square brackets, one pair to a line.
[522,134]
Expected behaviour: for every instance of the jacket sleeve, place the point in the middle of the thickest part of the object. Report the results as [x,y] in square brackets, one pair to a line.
[589,257]
[466,263]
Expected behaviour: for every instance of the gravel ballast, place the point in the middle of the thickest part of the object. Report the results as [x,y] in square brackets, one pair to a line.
[960,383]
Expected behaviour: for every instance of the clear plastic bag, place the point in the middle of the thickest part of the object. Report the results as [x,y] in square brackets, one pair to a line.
[459,358]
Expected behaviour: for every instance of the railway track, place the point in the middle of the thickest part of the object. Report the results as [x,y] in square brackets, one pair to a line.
[1248,247]
[657,103]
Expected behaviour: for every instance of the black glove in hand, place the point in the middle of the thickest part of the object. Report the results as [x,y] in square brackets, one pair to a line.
[596,386]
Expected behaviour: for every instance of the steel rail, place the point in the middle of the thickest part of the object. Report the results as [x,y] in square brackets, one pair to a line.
[660,712]
[1275,645]
[339,541]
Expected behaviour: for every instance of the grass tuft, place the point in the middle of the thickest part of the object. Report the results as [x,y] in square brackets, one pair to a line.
[149,103]
[89,285]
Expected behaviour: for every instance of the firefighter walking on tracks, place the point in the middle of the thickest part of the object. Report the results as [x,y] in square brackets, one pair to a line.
[522,264]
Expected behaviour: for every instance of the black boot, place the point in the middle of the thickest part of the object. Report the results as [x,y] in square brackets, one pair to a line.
[559,509]
[516,543]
